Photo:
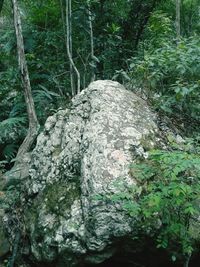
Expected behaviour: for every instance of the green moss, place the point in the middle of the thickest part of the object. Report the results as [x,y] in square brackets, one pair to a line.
[60,196]
[57,197]
[148,141]
[31,213]
[57,151]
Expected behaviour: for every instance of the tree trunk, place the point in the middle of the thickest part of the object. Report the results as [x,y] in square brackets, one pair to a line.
[91,43]
[186,263]
[71,49]
[69,44]
[32,117]
[178,19]
[66,44]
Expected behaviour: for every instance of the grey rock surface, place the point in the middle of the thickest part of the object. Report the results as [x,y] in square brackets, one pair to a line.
[4,243]
[82,154]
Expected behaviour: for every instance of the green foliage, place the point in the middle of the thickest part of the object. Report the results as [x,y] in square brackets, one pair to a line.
[43,13]
[190,17]
[170,75]
[158,31]
[7,125]
[165,200]
[11,130]
[10,151]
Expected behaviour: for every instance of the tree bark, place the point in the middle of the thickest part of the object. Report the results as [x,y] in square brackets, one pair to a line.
[178,19]
[71,49]
[32,117]
[91,42]
[65,38]
[69,44]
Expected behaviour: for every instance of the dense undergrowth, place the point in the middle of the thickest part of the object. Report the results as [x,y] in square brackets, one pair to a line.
[135,42]
[165,200]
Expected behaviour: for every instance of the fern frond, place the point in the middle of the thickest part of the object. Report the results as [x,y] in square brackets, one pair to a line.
[10,151]
[10,125]
[49,92]
[12,122]
[18,109]
[44,94]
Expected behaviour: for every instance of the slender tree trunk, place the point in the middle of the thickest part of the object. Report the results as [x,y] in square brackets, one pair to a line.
[178,20]
[69,31]
[65,37]
[91,42]
[71,49]
[186,263]
[32,117]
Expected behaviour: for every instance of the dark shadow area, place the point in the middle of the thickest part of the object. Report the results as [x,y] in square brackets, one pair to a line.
[195,260]
[137,262]
[145,260]
[133,256]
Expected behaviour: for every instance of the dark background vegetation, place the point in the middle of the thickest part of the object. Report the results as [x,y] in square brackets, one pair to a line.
[135,42]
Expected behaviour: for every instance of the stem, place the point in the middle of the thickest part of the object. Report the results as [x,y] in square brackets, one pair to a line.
[68,23]
[186,263]
[91,40]
[65,37]
[71,50]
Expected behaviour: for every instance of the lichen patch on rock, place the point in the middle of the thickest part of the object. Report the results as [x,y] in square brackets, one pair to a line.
[80,154]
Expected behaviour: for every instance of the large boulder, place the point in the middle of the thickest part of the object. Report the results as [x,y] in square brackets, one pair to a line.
[81,154]
[4,243]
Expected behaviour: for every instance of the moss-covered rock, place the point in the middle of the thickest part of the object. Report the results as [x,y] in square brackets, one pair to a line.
[4,243]
[80,155]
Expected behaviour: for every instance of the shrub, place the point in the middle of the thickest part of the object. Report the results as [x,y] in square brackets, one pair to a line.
[170,75]
[165,200]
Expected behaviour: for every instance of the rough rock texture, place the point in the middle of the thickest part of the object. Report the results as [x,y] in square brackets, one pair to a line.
[4,243]
[80,155]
